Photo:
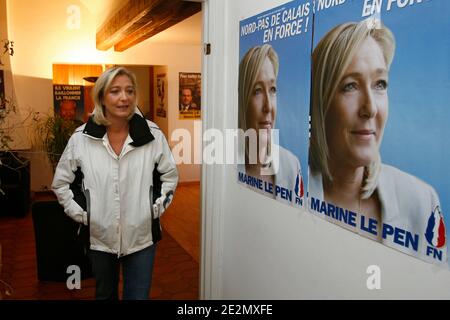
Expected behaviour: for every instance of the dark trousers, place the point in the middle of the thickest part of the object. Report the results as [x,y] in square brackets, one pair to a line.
[137,269]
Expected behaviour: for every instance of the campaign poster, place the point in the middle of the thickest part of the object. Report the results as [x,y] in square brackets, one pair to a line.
[379,134]
[69,101]
[160,95]
[273,106]
[190,95]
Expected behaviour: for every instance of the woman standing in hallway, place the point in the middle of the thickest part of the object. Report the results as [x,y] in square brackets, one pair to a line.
[128,180]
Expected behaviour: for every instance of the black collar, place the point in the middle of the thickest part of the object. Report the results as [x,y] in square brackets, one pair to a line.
[139,130]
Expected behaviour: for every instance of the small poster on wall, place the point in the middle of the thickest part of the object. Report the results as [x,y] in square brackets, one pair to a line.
[2,90]
[190,95]
[161,89]
[69,101]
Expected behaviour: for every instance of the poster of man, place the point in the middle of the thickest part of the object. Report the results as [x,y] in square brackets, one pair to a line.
[190,96]
[69,101]
[161,95]
[68,109]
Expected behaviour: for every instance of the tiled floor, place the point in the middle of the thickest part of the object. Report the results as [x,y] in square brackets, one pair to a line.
[176,271]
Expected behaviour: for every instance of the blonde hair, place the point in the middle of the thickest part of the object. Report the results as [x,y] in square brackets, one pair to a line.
[330,60]
[249,68]
[101,85]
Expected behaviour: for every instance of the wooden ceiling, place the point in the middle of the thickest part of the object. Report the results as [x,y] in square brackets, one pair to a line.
[139,20]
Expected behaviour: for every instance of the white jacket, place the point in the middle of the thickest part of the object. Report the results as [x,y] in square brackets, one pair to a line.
[118,189]
[406,203]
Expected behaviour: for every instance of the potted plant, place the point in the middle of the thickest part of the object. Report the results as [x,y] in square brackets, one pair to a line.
[53,133]
[59,239]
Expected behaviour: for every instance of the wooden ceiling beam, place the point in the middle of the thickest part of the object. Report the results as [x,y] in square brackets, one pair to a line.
[162,18]
[139,20]
[121,24]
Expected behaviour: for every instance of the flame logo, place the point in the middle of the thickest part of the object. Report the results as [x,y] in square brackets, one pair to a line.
[299,186]
[435,233]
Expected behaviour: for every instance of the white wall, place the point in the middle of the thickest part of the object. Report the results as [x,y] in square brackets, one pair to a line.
[256,248]
[187,172]
[42,38]
[143,79]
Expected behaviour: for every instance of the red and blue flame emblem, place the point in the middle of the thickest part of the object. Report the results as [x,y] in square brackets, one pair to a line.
[435,233]
[299,186]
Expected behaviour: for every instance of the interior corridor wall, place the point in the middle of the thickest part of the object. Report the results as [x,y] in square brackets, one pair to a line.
[257,248]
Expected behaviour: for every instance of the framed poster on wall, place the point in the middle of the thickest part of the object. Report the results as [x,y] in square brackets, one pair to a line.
[190,95]
[69,101]
[160,94]
[2,90]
